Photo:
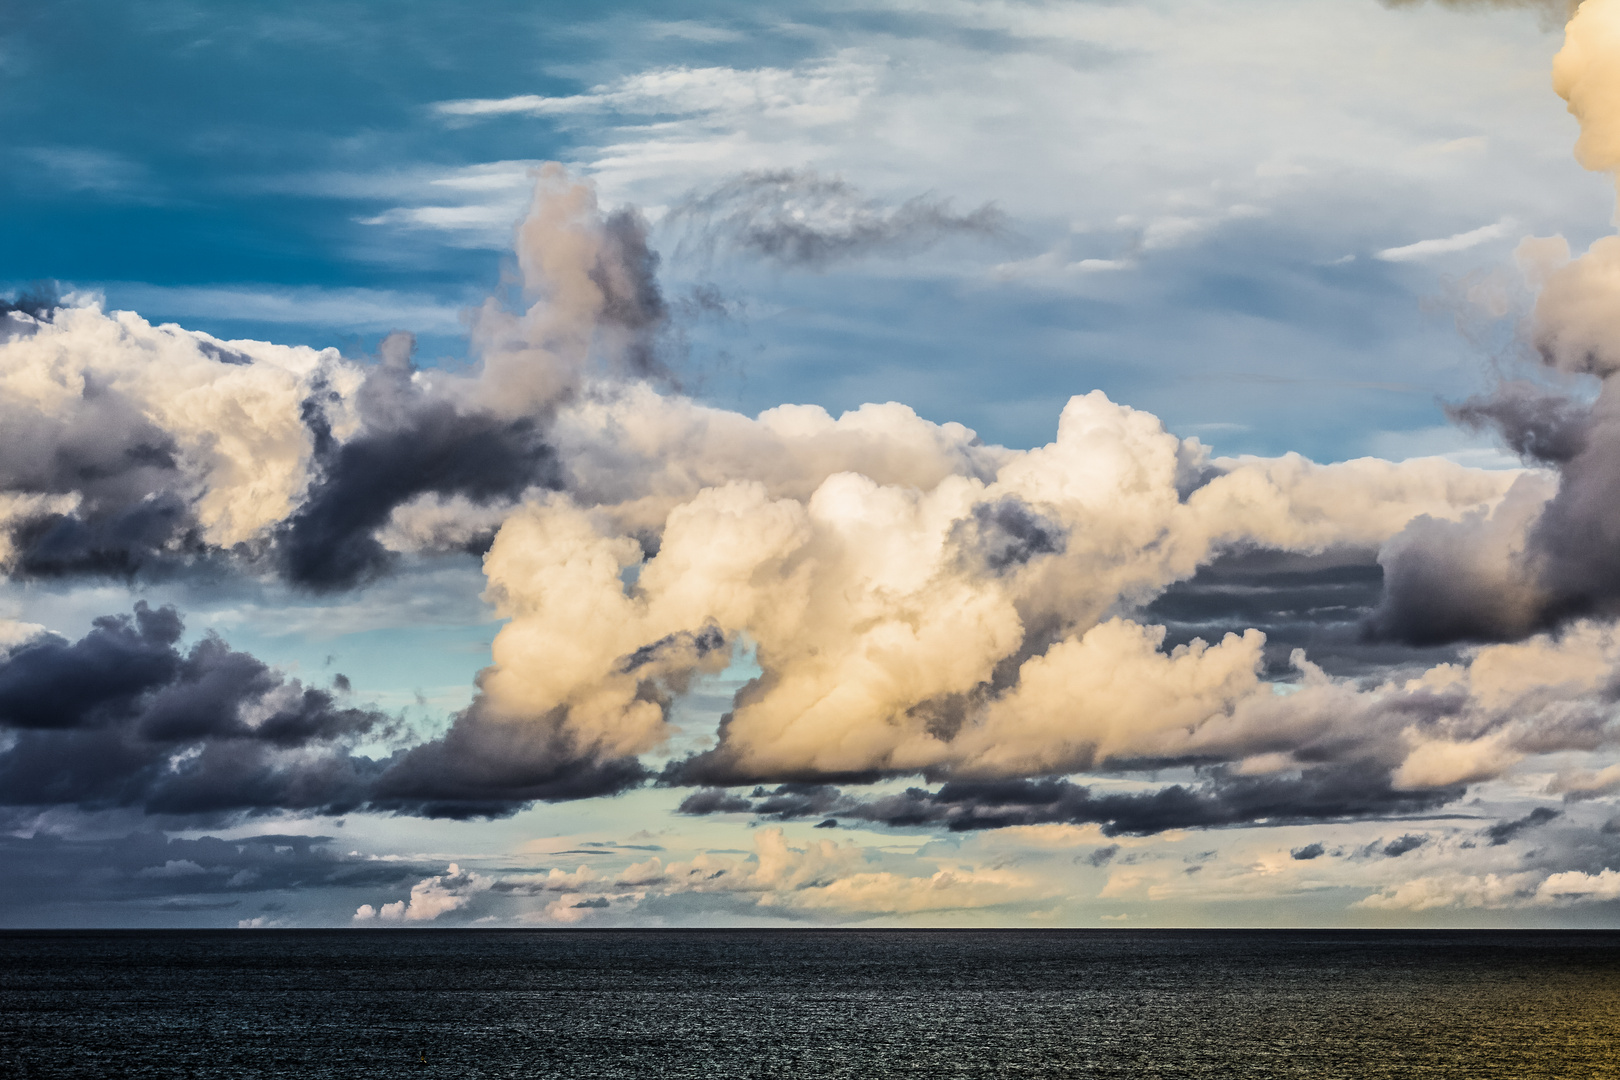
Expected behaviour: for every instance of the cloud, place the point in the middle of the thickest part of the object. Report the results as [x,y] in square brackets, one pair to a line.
[169,443]
[1462,241]
[819,93]
[1325,793]
[1102,856]
[1575,885]
[797,217]
[1503,831]
[139,450]
[1453,890]
[1559,9]
[917,601]
[430,898]
[91,170]
[142,877]
[123,718]
[1520,889]
[411,443]
[1401,845]
[930,608]
[1576,785]
[1545,557]
[826,880]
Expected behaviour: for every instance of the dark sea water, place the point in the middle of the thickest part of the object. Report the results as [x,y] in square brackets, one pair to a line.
[713,1004]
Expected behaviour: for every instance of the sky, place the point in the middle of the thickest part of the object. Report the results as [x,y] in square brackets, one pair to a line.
[985,463]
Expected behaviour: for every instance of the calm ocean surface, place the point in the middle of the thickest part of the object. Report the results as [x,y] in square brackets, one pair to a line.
[718,1004]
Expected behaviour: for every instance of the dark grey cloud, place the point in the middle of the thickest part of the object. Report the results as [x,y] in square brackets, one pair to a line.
[683,648]
[1435,594]
[632,303]
[411,444]
[1316,602]
[797,217]
[1402,844]
[123,468]
[416,441]
[1102,856]
[790,801]
[1538,424]
[134,517]
[1451,581]
[142,876]
[1308,852]
[37,302]
[1503,831]
[124,718]
[714,801]
[488,767]
[1008,533]
[1323,793]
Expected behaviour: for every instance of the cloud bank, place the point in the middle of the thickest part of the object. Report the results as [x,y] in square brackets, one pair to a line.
[918,603]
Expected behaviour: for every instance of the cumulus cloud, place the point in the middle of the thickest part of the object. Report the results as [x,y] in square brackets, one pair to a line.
[411,445]
[131,448]
[917,602]
[1514,889]
[124,718]
[819,880]
[430,898]
[143,444]
[1454,890]
[1546,555]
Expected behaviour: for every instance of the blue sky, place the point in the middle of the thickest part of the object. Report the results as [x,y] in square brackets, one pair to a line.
[1272,229]
[217,168]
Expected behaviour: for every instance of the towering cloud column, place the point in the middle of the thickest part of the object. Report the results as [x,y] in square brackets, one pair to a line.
[1551,552]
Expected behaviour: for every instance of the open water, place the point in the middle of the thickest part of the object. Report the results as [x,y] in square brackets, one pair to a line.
[804,1004]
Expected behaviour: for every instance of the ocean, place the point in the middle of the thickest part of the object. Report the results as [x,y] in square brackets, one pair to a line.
[809,1003]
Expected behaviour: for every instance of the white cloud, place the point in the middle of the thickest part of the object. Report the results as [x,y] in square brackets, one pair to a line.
[1454,890]
[430,898]
[817,93]
[1462,241]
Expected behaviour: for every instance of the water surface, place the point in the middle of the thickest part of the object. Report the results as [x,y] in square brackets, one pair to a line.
[803,1004]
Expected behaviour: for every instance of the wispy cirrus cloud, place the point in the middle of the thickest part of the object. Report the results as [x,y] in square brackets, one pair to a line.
[1449,245]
